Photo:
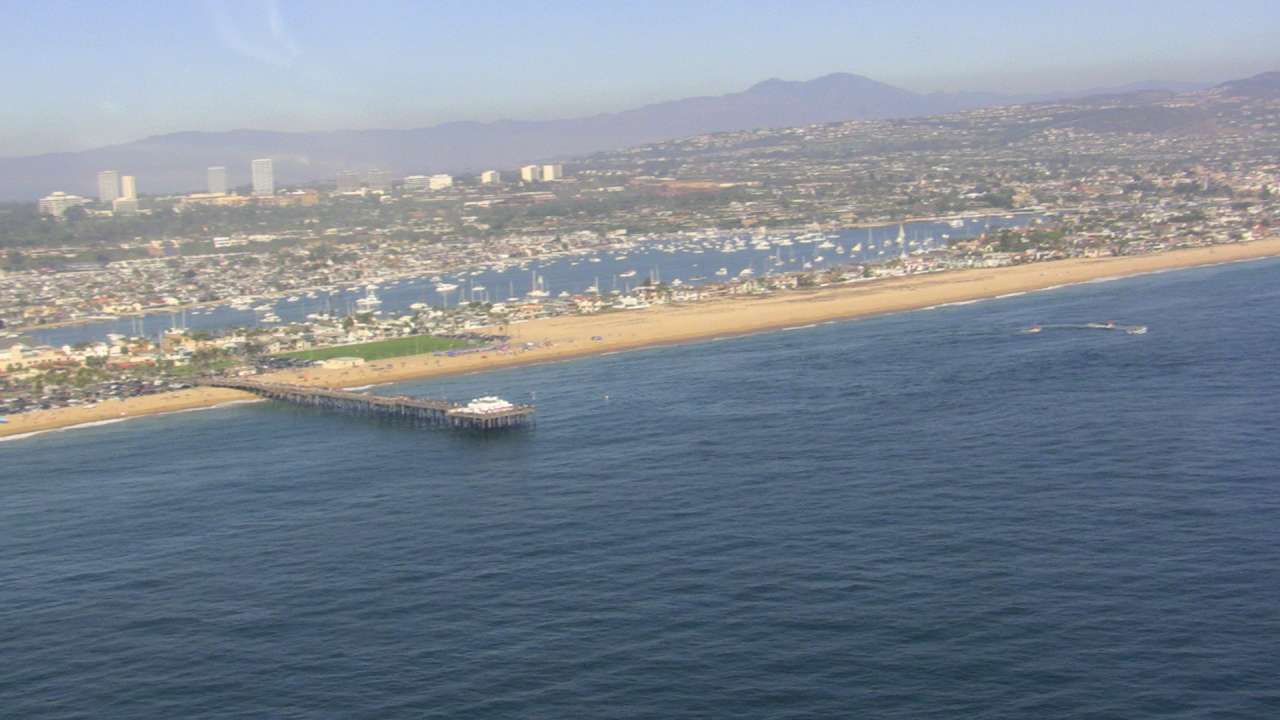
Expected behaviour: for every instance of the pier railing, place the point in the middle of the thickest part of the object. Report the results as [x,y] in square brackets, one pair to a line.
[440,413]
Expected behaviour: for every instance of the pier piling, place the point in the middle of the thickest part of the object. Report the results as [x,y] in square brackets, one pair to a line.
[418,411]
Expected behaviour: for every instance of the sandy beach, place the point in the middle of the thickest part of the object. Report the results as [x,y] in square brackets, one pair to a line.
[568,337]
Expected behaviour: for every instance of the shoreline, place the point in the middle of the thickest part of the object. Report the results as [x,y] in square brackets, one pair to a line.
[570,337]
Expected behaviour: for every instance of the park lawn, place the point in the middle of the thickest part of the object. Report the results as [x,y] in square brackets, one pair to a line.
[381,349]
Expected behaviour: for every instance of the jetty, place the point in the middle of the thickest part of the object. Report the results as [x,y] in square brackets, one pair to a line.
[483,414]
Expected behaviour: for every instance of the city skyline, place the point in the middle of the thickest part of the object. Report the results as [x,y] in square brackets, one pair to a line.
[282,65]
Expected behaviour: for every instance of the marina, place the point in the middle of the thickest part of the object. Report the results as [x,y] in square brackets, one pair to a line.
[684,259]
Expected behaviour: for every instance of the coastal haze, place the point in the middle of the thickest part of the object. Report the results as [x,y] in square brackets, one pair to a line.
[940,387]
[176,162]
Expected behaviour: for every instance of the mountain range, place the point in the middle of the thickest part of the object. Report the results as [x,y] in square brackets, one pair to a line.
[176,162]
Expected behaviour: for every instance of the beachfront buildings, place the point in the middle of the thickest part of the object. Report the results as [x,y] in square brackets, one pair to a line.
[490,177]
[530,173]
[264,180]
[440,182]
[108,186]
[552,172]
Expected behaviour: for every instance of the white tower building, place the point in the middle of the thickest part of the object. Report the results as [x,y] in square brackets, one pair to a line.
[264,179]
[108,186]
[216,180]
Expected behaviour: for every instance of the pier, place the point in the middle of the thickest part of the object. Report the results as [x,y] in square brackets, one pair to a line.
[483,414]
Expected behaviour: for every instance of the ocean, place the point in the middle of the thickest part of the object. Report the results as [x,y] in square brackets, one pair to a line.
[927,514]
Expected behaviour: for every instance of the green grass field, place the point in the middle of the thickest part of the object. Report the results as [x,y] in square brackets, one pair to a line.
[381,349]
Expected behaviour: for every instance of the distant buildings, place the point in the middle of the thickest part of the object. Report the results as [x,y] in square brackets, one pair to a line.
[216,180]
[348,181]
[416,183]
[108,186]
[490,177]
[129,187]
[57,204]
[210,199]
[379,180]
[264,179]
[530,173]
[552,172]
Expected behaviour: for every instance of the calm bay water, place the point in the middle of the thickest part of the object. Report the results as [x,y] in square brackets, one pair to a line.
[691,261]
[922,515]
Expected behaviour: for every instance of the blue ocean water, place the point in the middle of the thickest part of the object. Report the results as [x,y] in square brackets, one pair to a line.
[928,514]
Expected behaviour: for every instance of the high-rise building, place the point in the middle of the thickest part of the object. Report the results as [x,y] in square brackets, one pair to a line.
[348,181]
[379,180]
[108,186]
[129,187]
[440,182]
[216,180]
[552,172]
[58,203]
[264,178]
[490,177]
[530,173]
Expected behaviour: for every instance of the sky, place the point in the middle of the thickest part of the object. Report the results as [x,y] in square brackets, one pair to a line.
[86,74]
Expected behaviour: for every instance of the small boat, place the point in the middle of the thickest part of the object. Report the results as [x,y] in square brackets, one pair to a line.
[369,302]
[722,272]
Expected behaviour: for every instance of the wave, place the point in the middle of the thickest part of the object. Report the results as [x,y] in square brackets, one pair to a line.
[113,421]
[93,423]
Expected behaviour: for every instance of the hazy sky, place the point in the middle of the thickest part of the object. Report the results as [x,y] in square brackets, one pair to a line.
[82,74]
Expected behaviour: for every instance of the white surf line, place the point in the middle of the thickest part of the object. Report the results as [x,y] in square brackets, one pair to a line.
[113,421]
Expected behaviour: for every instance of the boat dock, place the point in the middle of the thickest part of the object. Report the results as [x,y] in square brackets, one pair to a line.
[482,414]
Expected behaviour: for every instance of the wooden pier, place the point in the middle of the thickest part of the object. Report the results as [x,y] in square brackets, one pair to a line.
[418,411]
